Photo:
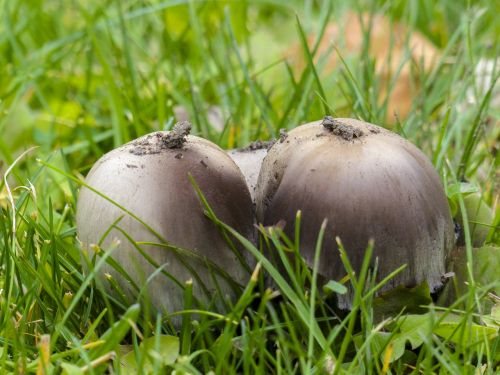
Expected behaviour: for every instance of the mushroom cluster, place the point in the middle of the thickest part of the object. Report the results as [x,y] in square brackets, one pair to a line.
[369,183]
[149,178]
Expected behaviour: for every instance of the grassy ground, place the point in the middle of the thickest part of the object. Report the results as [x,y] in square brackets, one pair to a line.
[79,78]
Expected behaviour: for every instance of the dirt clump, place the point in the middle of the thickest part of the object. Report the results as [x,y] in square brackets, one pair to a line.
[177,136]
[283,135]
[347,132]
[257,145]
[157,142]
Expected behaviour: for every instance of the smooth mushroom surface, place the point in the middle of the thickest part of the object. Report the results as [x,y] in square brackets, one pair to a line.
[149,177]
[369,183]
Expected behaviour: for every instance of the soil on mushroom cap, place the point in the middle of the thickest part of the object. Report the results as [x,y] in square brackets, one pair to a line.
[157,142]
[257,145]
[283,135]
[347,132]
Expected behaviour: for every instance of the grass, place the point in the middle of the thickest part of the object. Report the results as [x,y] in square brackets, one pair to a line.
[80,78]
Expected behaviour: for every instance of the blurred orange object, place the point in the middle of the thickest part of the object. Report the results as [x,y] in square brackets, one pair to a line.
[392,45]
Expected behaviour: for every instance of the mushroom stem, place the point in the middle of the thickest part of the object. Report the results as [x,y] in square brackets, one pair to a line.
[347,132]
[177,137]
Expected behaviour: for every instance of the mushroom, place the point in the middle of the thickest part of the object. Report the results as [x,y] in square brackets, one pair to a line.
[369,183]
[249,160]
[149,177]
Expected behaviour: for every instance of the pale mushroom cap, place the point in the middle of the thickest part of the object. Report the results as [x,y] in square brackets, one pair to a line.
[249,161]
[376,186]
[152,182]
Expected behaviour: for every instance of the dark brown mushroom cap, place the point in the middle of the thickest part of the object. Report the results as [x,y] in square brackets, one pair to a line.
[150,179]
[369,183]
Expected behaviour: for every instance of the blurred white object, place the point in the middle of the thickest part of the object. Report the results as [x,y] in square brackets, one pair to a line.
[485,72]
